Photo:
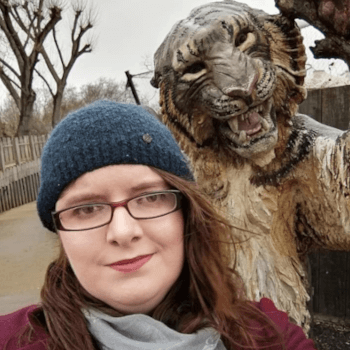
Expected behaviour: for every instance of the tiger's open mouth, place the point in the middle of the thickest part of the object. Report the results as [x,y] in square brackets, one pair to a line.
[247,127]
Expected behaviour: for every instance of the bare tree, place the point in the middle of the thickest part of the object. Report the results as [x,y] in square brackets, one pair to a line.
[75,98]
[82,23]
[331,17]
[25,26]
[105,88]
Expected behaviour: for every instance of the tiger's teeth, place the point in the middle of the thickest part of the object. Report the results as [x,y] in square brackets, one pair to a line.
[242,117]
[264,124]
[242,136]
[233,123]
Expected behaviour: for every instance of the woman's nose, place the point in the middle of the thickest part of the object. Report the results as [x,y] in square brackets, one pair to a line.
[123,229]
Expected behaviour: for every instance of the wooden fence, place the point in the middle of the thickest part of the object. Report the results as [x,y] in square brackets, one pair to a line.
[19,170]
[330,271]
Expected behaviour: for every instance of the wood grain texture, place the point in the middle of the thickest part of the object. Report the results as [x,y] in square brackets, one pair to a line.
[286,187]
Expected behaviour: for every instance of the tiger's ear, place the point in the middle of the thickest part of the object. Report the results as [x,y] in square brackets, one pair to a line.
[284,23]
[299,94]
[154,83]
[156,80]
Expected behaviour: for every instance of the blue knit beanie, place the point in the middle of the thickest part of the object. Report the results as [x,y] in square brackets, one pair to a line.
[101,134]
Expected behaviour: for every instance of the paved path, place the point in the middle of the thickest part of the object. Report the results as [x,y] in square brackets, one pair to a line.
[26,249]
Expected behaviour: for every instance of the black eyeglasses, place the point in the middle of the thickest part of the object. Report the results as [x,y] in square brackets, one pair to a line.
[93,215]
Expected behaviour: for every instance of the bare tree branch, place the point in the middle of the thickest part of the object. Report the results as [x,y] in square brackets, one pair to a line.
[39,15]
[11,35]
[31,19]
[57,47]
[49,65]
[87,48]
[75,24]
[8,84]
[29,14]
[76,52]
[19,21]
[55,16]
[10,68]
[330,17]
[21,24]
[45,81]
[13,82]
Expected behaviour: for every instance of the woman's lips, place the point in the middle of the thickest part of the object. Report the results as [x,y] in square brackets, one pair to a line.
[131,265]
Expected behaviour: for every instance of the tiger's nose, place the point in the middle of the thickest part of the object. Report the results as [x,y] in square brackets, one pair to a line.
[242,91]
[236,92]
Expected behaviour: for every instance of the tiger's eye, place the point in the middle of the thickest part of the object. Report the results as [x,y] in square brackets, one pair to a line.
[241,38]
[195,68]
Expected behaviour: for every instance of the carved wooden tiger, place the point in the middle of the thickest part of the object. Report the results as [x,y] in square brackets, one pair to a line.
[230,80]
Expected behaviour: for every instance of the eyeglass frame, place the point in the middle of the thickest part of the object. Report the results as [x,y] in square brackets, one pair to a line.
[124,203]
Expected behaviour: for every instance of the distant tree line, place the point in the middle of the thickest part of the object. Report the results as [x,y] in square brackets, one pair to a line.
[73,98]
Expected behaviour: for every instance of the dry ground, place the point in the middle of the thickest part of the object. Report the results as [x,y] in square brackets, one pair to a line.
[331,334]
[26,249]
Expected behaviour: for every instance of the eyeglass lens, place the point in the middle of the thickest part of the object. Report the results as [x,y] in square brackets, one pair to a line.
[94,215]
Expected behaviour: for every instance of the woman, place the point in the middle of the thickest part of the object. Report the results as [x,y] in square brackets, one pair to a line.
[143,258]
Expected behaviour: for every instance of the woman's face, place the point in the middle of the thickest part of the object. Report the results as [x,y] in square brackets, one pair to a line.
[142,286]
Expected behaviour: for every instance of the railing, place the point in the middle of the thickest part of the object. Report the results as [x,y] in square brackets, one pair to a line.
[16,151]
[19,170]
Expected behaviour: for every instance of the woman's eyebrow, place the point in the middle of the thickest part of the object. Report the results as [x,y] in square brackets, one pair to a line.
[79,198]
[150,185]
[76,199]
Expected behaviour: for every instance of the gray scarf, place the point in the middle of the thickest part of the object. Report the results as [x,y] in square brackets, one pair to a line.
[142,332]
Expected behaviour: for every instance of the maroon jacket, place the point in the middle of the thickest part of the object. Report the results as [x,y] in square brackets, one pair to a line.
[12,323]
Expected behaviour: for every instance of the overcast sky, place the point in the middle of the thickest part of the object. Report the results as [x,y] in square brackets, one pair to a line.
[127,32]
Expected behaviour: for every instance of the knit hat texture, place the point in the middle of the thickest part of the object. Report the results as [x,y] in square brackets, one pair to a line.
[101,134]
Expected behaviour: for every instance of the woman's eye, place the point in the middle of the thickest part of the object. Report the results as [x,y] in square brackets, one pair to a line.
[147,199]
[153,198]
[195,68]
[87,210]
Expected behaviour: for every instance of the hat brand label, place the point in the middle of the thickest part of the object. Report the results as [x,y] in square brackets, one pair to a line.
[147,138]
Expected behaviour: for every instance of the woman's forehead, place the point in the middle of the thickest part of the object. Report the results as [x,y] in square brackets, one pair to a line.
[126,177]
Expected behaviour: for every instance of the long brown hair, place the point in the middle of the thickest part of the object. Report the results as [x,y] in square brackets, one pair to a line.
[208,292]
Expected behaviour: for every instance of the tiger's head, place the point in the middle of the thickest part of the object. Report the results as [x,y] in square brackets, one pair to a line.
[230,78]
